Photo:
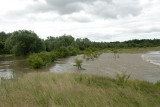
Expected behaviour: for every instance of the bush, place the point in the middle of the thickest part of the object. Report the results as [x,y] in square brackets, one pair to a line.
[53,56]
[92,53]
[46,57]
[62,52]
[78,63]
[72,51]
[40,59]
[35,61]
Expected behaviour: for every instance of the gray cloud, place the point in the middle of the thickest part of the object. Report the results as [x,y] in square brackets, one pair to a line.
[115,9]
[97,8]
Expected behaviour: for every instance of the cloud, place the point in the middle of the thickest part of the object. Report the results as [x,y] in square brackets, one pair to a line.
[146,30]
[98,20]
[97,8]
[114,9]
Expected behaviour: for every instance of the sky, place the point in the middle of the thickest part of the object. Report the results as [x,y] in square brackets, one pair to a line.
[98,20]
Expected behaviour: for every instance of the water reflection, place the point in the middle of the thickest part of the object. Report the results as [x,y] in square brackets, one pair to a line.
[10,65]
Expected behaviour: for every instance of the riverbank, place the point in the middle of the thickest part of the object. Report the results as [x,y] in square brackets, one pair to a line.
[54,90]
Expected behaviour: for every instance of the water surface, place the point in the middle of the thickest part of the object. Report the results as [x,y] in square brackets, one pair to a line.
[133,64]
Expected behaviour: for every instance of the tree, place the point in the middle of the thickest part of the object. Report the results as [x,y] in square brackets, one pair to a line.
[62,52]
[24,42]
[3,37]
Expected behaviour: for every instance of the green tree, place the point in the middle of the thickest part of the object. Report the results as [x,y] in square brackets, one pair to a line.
[24,42]
[62,52]
[3,37]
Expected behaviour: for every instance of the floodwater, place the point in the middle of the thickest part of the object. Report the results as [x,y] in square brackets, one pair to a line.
[133,64]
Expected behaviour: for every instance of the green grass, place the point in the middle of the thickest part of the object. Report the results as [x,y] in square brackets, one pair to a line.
[76,90]
[136,50]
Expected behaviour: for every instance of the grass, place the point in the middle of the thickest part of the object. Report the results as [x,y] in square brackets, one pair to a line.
[136,50]
[76,90]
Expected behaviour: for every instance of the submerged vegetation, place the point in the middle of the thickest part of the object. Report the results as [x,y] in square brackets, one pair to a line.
[38,60]
[78,64]
[92,53]
[115,53]
[77,90]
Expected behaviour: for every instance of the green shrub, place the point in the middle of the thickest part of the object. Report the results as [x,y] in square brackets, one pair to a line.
[46,57]
[91,53]
[53,56]
[78,63]
[62,52]
[72,51]
[40,59]
[35,61]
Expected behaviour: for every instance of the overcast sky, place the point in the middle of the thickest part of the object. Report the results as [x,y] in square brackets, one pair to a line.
[98,20]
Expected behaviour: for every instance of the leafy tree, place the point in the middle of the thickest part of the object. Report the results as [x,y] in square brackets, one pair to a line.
[72,51]
[24,42]
[3,37]
[62,52]
[54,43]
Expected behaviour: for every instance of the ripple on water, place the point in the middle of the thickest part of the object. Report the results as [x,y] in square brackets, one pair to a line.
[152,57]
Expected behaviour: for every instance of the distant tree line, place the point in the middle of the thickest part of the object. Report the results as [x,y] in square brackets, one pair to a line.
[24,42]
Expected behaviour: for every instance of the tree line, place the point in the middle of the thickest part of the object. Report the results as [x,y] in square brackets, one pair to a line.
[25,42]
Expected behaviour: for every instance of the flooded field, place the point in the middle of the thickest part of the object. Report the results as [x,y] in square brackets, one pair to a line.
[105,65]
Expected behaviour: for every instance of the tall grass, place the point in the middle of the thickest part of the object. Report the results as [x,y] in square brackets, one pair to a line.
[76,90]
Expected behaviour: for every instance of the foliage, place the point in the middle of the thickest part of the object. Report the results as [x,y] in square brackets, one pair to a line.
[53,56]
[54,43]
[62,52]
[3,37]
[78,63]
[24,42]
[35,61]
[92,53]
[40,59]
[72,51]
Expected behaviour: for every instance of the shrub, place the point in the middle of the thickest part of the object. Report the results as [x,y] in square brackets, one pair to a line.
[91,53]
[62,52]
[72,51]
[53,56]
[35,61]
[40,59]
[78,63]
[46,57]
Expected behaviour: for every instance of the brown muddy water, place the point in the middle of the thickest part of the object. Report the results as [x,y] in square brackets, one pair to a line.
[133,64]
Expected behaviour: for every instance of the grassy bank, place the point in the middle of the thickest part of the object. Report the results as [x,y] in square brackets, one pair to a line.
[134,50]
[76,90]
